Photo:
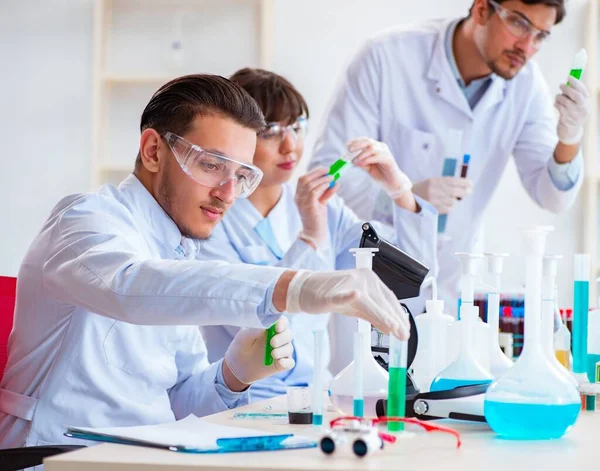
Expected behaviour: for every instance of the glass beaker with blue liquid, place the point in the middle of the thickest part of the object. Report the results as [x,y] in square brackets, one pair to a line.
[532,400]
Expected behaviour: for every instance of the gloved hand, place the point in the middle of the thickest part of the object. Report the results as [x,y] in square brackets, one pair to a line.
[377,160]
[358,293]
[312,195]
[246,353]
[573,104]
[442,192]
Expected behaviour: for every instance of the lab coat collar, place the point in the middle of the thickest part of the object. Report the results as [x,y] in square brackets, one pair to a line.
[148,212]
[446,85]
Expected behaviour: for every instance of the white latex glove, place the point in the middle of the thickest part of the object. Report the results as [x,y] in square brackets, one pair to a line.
[246,353]
[573,104]
[357,293]
[377,160]
[312,195]
[442,192]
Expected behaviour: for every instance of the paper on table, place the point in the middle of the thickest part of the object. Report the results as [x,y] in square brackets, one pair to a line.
[190,432]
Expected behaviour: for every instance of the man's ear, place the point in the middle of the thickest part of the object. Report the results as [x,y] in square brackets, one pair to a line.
[481,12]
[150,143]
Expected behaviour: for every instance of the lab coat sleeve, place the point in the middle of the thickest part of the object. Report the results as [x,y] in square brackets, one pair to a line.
[353,112]
[198,390]
[534,151]
[98,261]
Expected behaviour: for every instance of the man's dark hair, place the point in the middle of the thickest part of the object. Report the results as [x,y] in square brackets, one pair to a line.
[559,5]
[177,103]
[277,97]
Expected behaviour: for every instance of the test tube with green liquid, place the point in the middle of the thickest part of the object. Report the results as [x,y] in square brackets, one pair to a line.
[396,405]
[268,348]
[579,64]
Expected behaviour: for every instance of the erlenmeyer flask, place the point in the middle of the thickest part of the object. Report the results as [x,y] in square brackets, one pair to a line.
[532,400]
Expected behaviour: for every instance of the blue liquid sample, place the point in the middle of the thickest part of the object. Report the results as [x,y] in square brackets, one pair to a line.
[444,384]
[317,419]
[359,408]
[592,358]
[530,421]
[580,326]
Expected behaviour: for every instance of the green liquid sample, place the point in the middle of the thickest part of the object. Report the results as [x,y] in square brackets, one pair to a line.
[268,349]
[336,167]
[577,73]
[580,326]
[396,405]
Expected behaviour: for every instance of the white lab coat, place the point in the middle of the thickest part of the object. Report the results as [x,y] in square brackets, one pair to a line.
[237,240]
[400,89]
[107,314]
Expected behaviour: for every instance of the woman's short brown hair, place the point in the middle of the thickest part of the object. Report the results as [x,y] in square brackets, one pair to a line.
[276,96]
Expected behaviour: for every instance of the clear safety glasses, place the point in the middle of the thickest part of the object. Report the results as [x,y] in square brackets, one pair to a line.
[277,132]
[213,169]
[518,25]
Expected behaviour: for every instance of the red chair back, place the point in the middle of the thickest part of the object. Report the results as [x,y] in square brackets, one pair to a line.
[8,294]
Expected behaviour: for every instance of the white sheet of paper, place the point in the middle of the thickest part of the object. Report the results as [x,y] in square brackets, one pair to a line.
[190,432]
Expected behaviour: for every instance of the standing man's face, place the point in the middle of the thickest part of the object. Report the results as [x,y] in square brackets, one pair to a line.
[508,35]
[195,207]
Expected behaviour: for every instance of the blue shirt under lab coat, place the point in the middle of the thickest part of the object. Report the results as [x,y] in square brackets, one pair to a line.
[246,236]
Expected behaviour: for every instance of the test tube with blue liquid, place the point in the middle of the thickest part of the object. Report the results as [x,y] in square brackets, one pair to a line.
[581,293]
[318,372]
[396,405]
[453,146]
[360,340]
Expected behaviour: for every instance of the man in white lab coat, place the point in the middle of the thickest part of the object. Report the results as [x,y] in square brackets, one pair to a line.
[110,295]
[414,88]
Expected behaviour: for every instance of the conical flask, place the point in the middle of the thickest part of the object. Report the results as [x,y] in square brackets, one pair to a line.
[532,400]
[466,369]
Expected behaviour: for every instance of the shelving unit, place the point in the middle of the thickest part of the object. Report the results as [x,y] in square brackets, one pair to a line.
[591,149]
[133,56]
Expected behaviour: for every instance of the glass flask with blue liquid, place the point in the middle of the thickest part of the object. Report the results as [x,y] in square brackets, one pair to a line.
[533,400]
[466,370]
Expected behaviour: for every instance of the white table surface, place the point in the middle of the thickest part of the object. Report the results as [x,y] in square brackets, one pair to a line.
[481,451]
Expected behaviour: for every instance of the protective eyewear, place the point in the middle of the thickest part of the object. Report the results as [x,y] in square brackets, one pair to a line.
[277,131]
[350,423]
[519,25]
[213,169]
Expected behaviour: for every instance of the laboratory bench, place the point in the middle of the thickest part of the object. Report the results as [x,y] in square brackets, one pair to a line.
[480,450]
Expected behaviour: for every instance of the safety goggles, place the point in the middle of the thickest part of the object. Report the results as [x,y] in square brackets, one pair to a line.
[350,422]
[277,132]
[213,169]
[518,25]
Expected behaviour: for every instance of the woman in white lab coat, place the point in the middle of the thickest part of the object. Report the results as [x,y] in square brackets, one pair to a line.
[310,228]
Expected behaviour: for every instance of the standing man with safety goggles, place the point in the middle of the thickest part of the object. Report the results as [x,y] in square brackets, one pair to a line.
[110,294]
[464,86]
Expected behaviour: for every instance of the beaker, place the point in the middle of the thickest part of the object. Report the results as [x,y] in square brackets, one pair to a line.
[532,400]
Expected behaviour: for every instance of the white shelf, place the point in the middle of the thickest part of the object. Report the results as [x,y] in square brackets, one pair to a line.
[117,168]
[135,80]
[125,33]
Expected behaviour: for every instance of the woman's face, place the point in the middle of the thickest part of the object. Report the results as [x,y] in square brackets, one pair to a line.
[278,151]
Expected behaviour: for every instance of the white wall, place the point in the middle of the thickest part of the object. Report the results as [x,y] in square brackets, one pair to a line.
[46,48]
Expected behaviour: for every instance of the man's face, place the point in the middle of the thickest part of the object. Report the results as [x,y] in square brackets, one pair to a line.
[194,207]
[497,35]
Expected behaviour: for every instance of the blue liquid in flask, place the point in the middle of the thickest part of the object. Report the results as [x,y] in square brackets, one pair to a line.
[444,384]
[359,407]
[530,421]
